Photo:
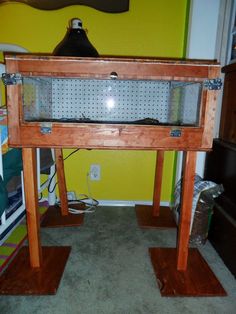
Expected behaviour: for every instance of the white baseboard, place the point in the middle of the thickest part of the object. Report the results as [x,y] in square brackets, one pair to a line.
[130,203]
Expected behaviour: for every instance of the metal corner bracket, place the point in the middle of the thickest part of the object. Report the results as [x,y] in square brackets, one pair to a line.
[11,78]
[213,84]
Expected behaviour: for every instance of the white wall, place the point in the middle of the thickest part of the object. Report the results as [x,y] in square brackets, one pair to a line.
[201,44]
[203,25]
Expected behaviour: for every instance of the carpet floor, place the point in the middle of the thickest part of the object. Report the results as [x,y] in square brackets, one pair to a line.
[109,272]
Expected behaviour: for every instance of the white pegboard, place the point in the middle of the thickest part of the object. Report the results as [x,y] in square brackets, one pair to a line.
[110,100]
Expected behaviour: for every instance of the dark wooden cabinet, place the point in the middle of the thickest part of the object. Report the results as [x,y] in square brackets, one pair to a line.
[228,116]
[221,168]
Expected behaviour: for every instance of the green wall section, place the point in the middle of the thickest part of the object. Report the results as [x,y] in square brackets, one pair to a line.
[154,28]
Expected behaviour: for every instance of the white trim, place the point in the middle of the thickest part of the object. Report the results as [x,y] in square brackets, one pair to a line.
[225,27]
[179,167]
[130,203]
[12,48]
[2,70]
[10,220]
[223,48]
[52,195]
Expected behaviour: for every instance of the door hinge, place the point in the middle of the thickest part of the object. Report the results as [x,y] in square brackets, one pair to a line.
[175,133]
[11,78]
[213,84]
[46,127]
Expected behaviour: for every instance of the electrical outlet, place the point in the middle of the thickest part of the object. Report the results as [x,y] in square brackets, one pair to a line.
[71,196]
[95,172]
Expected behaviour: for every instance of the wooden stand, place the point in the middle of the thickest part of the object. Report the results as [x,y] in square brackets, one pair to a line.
[60,216]
[156,216]
[181,271]
[189,138]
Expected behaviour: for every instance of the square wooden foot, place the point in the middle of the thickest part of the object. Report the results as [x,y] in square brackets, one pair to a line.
[146,219]
[21,279]
[53,218]
[197,281]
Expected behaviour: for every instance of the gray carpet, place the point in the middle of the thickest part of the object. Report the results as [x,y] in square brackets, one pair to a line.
[109,272]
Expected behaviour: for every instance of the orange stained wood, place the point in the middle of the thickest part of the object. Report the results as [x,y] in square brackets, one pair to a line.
[31,200]
[61,181]
[105,136]
[186,209]
[157,183]
[126,68]
[198,280]
[21,279]
[209,112]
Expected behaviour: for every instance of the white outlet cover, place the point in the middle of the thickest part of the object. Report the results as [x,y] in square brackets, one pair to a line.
[71,196]
[95,172]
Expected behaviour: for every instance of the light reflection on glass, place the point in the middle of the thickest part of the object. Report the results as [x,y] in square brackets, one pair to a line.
[110,103]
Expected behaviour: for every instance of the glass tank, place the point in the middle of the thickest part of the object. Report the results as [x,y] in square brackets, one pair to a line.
[145,102]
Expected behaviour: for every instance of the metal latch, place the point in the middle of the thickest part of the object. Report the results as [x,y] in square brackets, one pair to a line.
[113,75]
[214,84]
[46,127]
[11,78]
[175,133]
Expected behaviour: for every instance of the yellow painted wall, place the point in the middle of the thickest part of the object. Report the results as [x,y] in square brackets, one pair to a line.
[150,28]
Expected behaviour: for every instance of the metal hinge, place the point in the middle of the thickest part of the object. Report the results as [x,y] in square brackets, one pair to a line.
[175,133]
[46,127]
[214,84]
[11,78]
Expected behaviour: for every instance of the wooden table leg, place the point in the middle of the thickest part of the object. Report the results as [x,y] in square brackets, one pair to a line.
[156,216]
[186,209]
[61,181]
[55,217]
[158,183]
[31,200]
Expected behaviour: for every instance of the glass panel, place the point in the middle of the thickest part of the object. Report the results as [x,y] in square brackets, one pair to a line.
[184,103]
[111,101]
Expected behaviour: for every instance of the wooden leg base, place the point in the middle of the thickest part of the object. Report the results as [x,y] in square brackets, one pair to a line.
[53,218]
[146,219]
[21,279]
[198,280]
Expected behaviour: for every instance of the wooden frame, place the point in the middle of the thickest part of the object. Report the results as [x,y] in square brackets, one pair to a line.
[112,136]
[115,136]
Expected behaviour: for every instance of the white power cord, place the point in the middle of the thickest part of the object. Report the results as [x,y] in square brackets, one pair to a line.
[84,199]
[88,201]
